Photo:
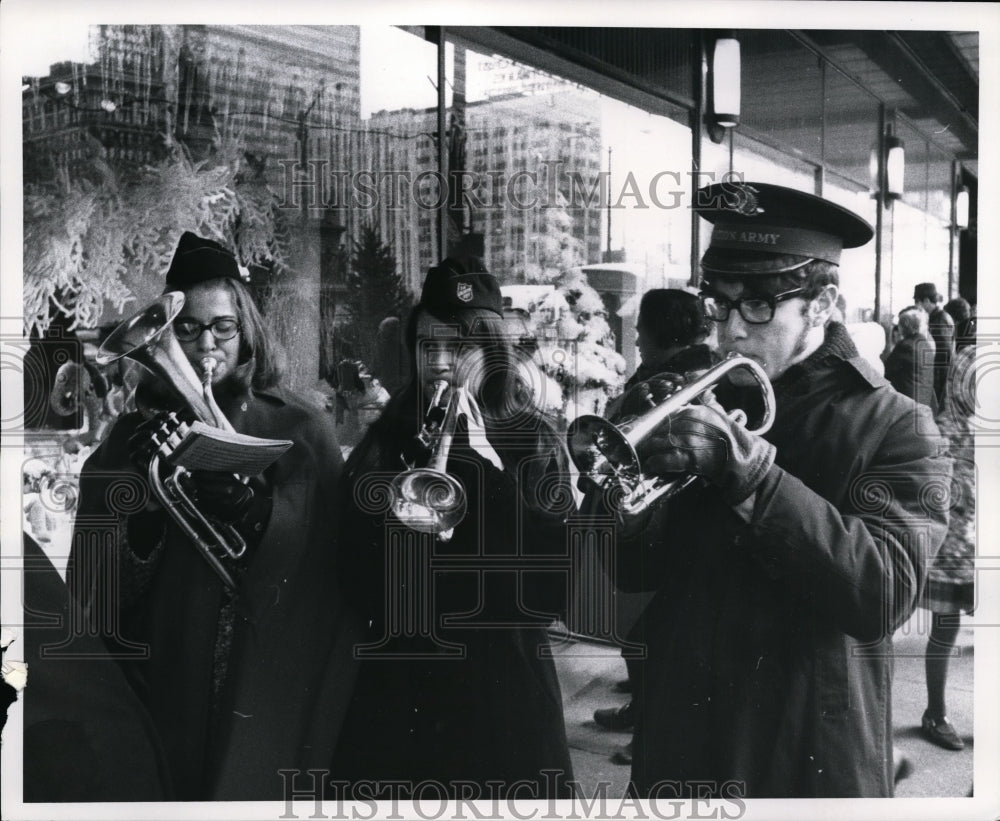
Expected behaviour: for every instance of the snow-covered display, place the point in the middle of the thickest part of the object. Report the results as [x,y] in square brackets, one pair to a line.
[575,345]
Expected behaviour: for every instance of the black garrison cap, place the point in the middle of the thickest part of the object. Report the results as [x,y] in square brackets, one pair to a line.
[198,260]
[460,282]
[759,228]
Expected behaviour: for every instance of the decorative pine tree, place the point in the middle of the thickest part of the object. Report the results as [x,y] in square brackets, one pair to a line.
[555,248]
[374,292]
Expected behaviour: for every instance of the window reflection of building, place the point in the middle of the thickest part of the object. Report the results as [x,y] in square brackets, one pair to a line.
[515,147]
[814,102]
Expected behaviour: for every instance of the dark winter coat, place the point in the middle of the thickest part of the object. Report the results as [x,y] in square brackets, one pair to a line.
[769,668]
[456,684]
[692,358]
[237,688]
[942,330]
[910,369]
[87,737]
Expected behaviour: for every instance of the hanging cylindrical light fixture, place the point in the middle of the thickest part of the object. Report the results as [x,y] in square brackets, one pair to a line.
[726,82]
[895,165]
[962,208]
[888,168]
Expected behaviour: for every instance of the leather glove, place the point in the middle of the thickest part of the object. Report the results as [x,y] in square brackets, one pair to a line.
[161,433]
[703,440]
[221,496]
[224,498]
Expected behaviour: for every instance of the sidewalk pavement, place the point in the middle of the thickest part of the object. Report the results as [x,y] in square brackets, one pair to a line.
[588,671]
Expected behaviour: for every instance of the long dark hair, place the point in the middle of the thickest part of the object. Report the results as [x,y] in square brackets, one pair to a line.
[502,393]
[261,358]
[512,418]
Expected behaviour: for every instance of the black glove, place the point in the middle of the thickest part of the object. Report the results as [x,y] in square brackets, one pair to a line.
[159,434]
[226,499]
[221,496]
[646,395]
[703,440]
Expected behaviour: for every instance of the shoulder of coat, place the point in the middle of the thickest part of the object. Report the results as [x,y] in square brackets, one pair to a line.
[861,368]
[280,398]
[294,411]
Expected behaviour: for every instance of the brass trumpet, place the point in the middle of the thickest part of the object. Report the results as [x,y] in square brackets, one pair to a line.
[426,498]
[147,337]
[606,453]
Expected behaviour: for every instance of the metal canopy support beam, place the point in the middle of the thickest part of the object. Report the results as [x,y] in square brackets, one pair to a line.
[892,55]
[436,34]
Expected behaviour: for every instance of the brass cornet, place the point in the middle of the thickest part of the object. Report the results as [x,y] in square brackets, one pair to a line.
[426,498]
[606,453]
[147,337]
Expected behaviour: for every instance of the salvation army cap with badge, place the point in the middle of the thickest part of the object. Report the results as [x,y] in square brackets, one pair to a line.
[457,283]
[198,260]
[759,228]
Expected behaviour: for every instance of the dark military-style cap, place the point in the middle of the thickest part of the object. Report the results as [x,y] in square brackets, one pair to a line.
[759,228]
[460,282]
[198,260]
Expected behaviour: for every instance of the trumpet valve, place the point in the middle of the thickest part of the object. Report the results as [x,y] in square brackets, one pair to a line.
[648,395]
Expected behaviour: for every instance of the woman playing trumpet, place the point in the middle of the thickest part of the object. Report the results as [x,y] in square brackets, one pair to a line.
[241,678]
[454,683]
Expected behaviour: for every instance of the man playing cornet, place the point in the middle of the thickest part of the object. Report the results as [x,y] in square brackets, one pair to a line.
[783,571]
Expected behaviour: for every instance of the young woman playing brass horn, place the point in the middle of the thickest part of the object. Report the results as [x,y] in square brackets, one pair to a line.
[455,690]
[245,678]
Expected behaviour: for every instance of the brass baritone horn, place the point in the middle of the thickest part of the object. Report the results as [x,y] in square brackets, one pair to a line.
[147,337]
[427,499]
[606,453]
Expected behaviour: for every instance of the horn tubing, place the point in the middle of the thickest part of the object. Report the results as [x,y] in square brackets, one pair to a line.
[172,504]
[648,422]
[147,337]
[619,441]
[410,488]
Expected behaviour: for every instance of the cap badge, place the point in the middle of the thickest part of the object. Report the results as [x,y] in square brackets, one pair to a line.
[743,200]
[464,291]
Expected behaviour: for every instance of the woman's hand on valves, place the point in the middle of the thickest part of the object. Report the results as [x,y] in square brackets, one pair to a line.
[702,439]
[159,434]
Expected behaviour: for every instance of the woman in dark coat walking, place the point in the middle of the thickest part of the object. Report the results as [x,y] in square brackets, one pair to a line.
[455,683]
[910,365]
[241,682]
